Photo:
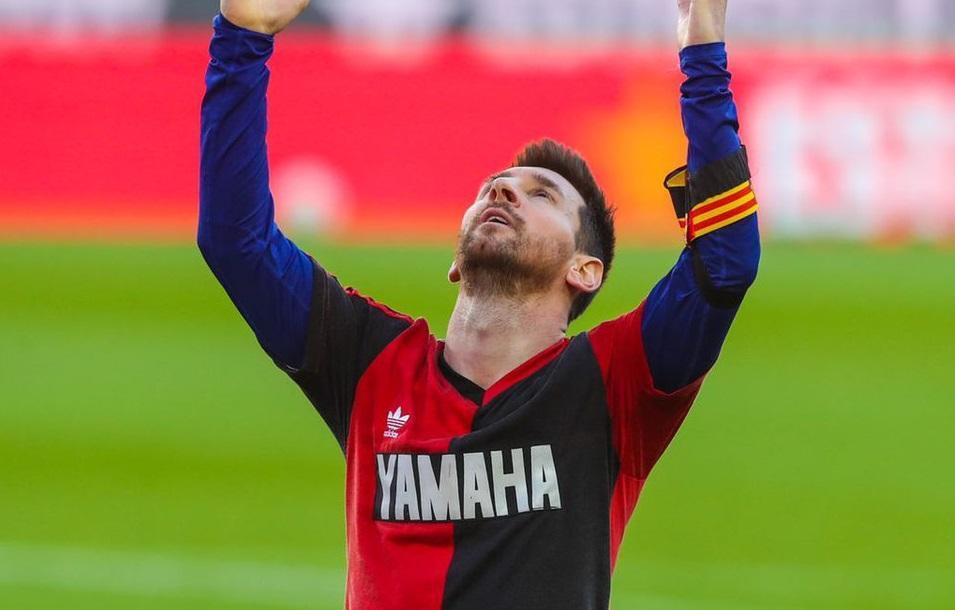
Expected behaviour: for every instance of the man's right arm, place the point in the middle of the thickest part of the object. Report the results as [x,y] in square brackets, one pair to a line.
[268,278]
[322,335]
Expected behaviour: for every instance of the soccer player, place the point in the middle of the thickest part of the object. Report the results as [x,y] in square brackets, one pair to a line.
[496,468]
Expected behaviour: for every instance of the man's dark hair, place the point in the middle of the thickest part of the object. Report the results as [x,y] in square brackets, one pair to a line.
[596,235]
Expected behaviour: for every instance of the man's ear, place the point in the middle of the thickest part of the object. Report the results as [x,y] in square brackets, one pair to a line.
[586,273]
[454,274]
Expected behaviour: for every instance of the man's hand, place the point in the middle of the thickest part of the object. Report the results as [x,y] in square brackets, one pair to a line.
[701,21]
[265,16]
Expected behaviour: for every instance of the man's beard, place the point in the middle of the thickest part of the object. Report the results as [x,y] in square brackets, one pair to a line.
[513,266]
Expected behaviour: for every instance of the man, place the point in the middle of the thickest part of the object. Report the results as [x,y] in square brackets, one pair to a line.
[496,468]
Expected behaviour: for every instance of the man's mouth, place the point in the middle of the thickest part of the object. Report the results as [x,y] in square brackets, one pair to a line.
[495,216]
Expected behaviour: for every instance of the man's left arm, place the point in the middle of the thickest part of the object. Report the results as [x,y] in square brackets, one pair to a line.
[688,313]
[653,358]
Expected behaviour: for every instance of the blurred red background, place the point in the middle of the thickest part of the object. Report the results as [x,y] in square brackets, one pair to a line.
[365,141]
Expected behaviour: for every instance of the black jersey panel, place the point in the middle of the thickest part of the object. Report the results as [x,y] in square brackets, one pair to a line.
[346,333]
[554,426]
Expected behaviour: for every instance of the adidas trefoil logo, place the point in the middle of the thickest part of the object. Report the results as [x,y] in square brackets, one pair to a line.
[396,421]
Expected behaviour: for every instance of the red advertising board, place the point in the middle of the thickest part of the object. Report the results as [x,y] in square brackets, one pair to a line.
[102,134]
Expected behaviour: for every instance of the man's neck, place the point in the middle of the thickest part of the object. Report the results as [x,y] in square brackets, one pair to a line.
[488,337]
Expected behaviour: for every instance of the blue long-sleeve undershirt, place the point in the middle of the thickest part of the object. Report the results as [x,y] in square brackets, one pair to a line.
[269,278]
[266,275]
[682,332]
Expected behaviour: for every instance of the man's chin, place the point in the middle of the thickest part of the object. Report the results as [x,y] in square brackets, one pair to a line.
[489,256]
[485,241]
[498,260]
[493,231]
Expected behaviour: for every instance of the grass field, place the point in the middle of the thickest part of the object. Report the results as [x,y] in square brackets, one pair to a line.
[151,456]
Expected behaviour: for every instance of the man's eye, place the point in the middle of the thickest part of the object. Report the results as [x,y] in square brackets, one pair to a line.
[542,193]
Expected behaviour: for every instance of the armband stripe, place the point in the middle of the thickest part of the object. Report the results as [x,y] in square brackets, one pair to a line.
[742,195]
[698,219]
[722,199]
[737,213]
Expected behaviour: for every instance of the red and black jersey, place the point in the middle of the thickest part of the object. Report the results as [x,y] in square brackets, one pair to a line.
[513,497]
[517,494]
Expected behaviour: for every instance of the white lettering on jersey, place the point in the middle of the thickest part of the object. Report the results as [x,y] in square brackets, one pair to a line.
[439,501]
[406,492]
[544,477]
[503,480]
[385,475]
[477,490]
[453,487]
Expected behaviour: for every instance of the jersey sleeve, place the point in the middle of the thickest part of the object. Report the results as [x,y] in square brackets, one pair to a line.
[643,418]
[346,332]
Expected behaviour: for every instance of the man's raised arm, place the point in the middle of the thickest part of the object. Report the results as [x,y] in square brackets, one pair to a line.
[653,358]
[321,334]
[267,277]
[688,313]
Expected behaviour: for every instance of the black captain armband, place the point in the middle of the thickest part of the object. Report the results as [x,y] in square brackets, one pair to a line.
[714,197]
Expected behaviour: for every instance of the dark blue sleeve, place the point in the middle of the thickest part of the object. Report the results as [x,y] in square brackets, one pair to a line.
[268,278]
[710,119]
[683,331]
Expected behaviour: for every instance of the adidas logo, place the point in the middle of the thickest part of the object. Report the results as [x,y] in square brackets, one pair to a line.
[395,422]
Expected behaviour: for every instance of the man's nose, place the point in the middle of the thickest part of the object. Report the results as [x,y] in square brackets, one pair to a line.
[501,192]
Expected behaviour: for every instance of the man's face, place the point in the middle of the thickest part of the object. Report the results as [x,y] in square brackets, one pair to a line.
[519,234]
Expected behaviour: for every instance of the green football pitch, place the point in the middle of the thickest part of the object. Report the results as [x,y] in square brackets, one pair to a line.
[152,457]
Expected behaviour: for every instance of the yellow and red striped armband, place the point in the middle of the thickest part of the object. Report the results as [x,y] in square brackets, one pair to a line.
[716,196]
[719,211]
